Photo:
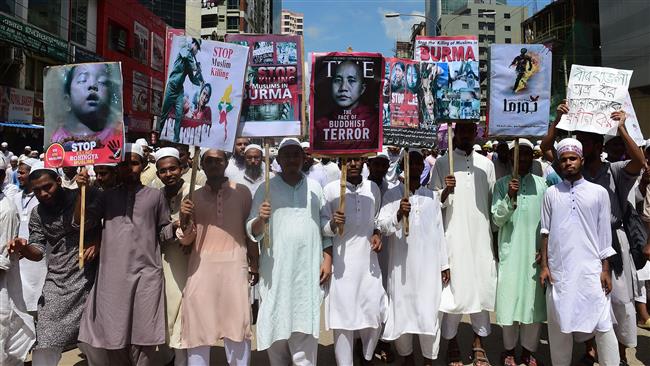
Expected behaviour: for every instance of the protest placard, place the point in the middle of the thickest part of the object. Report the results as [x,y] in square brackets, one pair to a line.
[455,77]
[346,103]
[409,103]
[593,94]
[83,114]
[274,89]
[632,123]
[520,89]
[204,93]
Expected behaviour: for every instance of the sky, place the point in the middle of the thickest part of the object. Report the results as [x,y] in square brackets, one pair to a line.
[335,25]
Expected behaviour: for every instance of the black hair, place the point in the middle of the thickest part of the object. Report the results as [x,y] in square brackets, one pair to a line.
[69,74]
[37,174]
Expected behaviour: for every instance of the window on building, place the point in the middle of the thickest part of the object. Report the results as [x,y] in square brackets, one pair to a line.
[299,26]
[465,26]
[508,40]
[8,6]
[506,15]
[490,38]
[209,21]
[117,38]
[507,28]
[233,4]
[490,26]
[79,21]
[232,23]
[286,16]
[222,18]
[45,14]
[481,37]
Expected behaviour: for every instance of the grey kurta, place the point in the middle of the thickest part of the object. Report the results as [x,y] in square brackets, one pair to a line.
[127,303]
[66,286]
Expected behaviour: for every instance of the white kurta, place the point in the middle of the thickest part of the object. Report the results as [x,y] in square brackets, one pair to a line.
[466,215]
[32,273]
[415,263]
[332,171]
[356,299]
[577,219]
[17,332]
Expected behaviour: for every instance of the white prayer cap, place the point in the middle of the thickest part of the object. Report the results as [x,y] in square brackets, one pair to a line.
[41,157]
[4,144]
[539,142]
[495,143]
[477,147]
[537,148]
[569,145]
[254,146]
[166,152]
[305,145]
[112,165]
[3,164]
[29,162]
[14,158]
[39,165]
[28,147]
[142,142]
[203,151]
[487,144]
[522,142]
[134,148]
[289,141]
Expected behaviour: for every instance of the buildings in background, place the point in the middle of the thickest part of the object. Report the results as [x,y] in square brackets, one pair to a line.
[403,49]
[219,18]
[572,35]
[38,34]
[625,44]
[292,22]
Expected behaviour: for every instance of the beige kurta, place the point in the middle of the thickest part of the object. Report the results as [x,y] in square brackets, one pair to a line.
[215,299]
[175,270]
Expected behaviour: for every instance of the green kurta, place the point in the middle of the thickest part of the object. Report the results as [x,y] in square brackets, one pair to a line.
[290,267]
[520,298]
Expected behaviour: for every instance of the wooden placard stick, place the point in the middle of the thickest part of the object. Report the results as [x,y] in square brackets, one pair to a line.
[267,188]
[515,168]
[343,182]
[195,167]
[407,190]
[82,226]
[450,147]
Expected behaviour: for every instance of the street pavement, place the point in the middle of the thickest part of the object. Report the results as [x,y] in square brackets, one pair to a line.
[493,344]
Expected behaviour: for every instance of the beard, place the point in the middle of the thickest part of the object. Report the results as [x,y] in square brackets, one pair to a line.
[252,171]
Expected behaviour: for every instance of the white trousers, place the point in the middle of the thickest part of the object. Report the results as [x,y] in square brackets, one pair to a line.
[561,344]
[429,344]
[299,350]
[625,326]
[480,324]
[237,353]
[344,344]
[526,334]
[46,356]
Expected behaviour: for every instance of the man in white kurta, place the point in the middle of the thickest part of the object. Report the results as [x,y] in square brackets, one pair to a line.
[576,242]
[32,273]
[417,265]
[356,301]
[466,200]
[17,332]
[293,265]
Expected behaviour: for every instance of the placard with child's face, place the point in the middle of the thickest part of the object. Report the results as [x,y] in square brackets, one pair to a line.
[84,122]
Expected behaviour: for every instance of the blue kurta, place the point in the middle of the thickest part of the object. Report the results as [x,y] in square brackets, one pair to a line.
[290,267]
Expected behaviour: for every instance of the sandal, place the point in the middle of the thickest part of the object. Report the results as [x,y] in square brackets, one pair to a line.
[453,357]
[644,325]
[508,359]
[383,353]
[480,360]
[531,361]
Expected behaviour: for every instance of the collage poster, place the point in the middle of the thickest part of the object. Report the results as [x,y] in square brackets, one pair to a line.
[456,75]
[274,94]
